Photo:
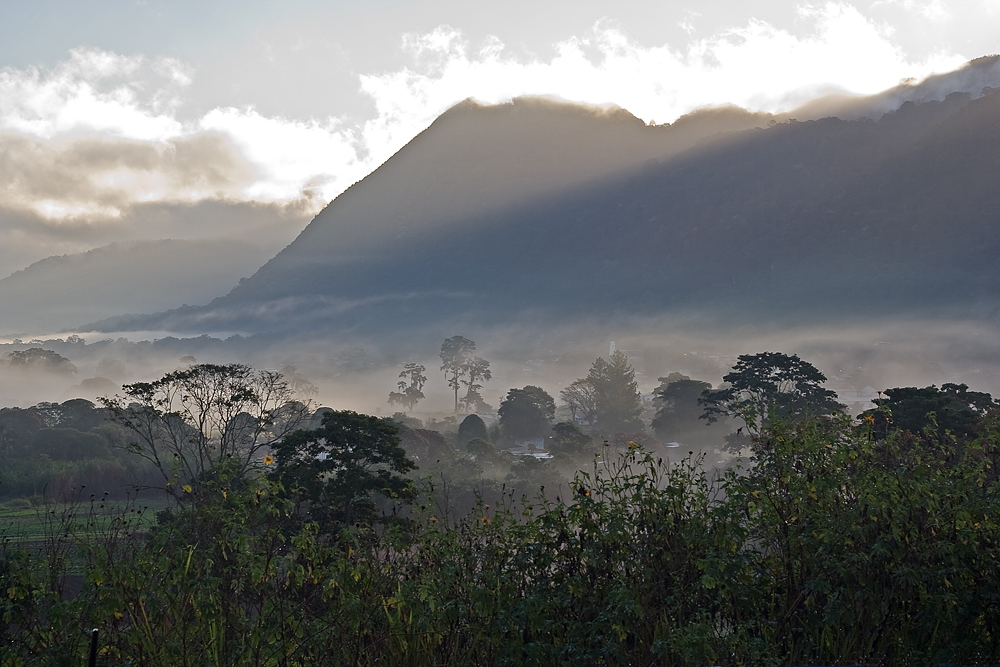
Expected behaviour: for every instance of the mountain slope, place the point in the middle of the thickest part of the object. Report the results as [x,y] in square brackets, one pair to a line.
[122,277]
[538,210]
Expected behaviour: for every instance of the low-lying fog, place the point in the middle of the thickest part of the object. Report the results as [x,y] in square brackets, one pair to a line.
[359,374]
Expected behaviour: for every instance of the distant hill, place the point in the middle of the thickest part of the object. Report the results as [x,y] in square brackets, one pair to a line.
[539,209]
[122,277]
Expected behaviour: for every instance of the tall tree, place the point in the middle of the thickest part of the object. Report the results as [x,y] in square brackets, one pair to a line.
[411,384]
[190,421]
[616,395]
[767,385]
[455,354]
[478,370]
[526,413]
[582,401]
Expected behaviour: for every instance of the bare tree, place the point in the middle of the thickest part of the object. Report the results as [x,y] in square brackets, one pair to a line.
[581,397]
[192,420]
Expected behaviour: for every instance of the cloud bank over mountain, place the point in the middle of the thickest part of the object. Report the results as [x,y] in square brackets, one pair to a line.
[89,145]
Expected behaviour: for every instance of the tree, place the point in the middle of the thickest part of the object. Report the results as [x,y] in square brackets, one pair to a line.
[455,352]
[582,401]
[472,427]
[767,385]
[192,420]
[526,413]
[677,405]
[569,438]
[37,359]
[336,472]
[458,363]
[955,409]
[617,403]
[477,369]
[411,384]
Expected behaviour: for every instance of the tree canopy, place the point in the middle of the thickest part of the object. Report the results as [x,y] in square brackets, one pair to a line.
[525,413]
[462,368]
[471,427]
[770,384]
[191,420]
[617,403]
[952,408]
[411,384]
[677,405]
[335,472]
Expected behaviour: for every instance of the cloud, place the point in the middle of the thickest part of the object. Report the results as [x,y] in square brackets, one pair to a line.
[90,143]
[86,144]
[757,66]
[931,10]
[316,159]
[95,91]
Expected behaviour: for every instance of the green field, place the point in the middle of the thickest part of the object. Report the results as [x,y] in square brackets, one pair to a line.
[25,520]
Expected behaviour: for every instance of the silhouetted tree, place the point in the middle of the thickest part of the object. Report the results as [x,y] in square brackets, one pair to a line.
[526,413]
[616,395]
[582,401]
[411,384]
[952,408]
[455,353]
[471,427]
[767,385]
[677,405]
[190,421]
[36,359]
[569,438]
[336,471]
[477,369]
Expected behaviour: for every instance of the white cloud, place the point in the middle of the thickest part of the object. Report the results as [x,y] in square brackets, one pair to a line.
[931,10]
[94,91]
[757,66]
[292,158]
[100,131]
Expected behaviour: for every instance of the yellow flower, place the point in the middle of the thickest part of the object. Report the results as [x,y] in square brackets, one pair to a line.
[268,459]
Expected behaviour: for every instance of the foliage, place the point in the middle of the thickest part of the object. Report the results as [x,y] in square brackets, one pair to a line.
[411,383]
[581,398]
[333,473]
[472,427]
[526,413]
[677,405]
[835,547]
[952,409]
[617,403]
[478,370]
[569,438]
[192,420]
[461,368]
[770,385]
[36,359]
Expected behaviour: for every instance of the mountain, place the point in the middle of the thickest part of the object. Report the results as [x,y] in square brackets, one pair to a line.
[122,277]
[540,210]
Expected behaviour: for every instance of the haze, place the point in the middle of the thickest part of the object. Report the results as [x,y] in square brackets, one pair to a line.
[154,154]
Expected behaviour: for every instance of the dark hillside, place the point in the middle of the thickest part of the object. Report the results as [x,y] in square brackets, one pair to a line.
[500,213]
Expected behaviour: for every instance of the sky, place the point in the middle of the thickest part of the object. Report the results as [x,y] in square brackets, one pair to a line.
[128,120]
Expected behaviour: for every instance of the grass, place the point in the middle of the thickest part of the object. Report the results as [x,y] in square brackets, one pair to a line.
[32,520]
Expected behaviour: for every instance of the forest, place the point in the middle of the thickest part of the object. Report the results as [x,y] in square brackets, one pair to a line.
[217,516]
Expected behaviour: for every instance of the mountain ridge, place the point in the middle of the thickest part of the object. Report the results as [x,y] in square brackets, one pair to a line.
[762,217]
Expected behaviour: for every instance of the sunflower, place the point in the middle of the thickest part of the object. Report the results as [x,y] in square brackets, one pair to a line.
[268,459]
